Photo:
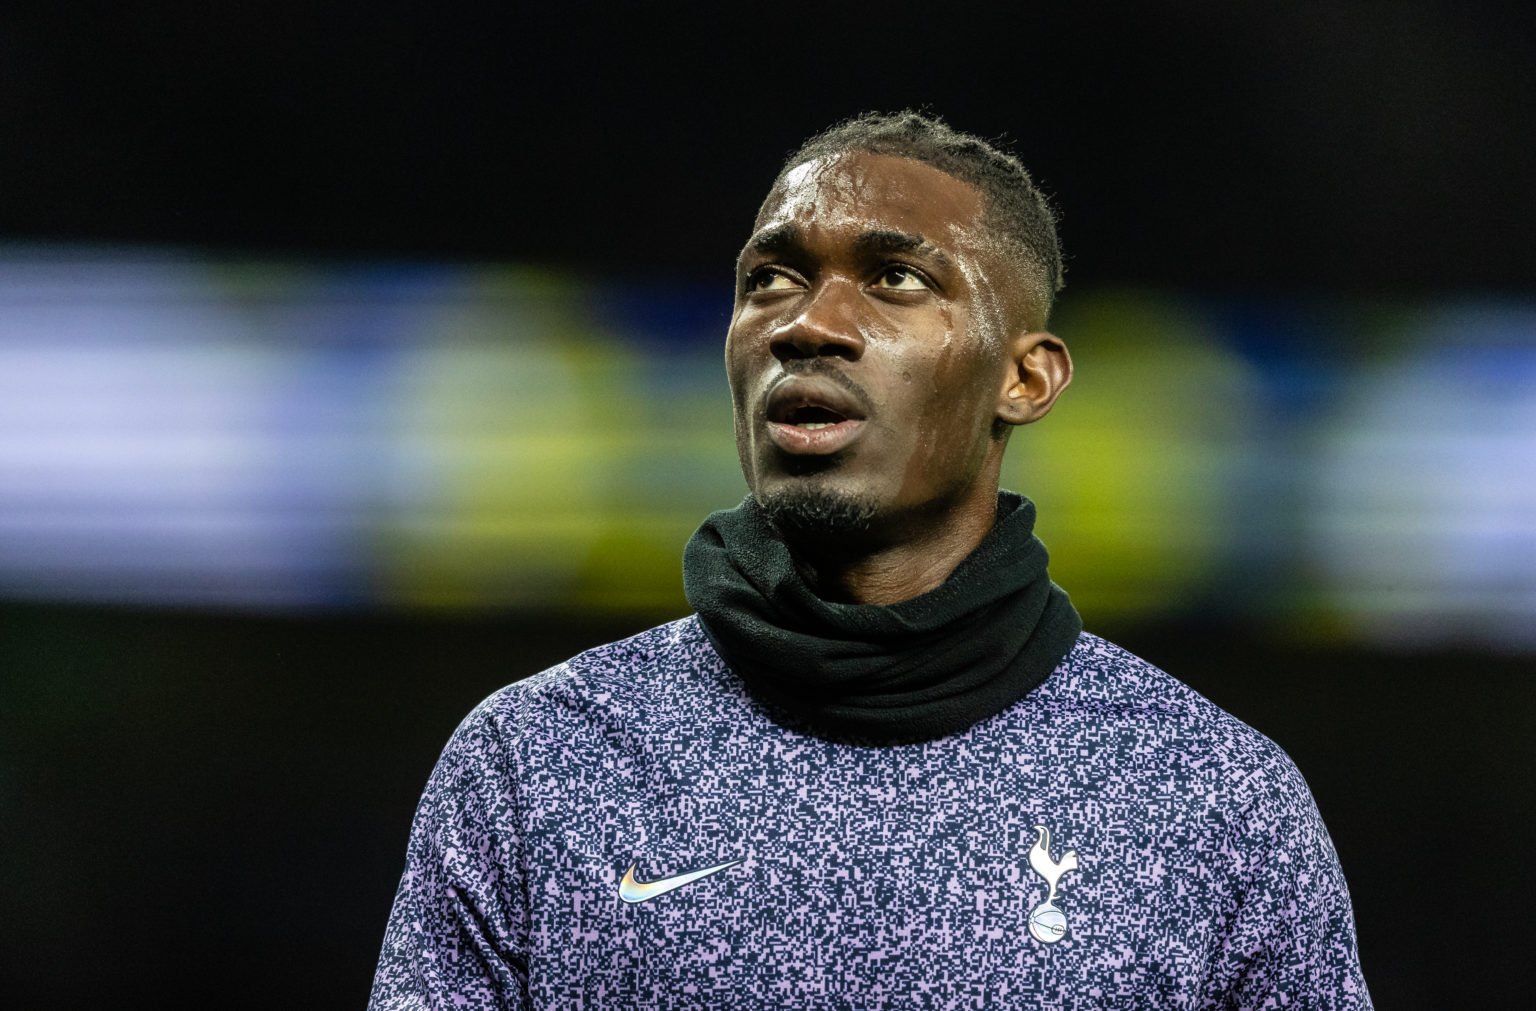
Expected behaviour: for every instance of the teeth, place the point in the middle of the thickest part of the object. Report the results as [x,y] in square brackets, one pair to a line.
[813,425]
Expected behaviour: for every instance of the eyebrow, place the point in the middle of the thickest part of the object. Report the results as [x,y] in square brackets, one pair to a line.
[887,241]
[781,238]
[774,240]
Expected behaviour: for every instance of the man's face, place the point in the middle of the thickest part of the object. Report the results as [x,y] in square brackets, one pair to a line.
[867,349]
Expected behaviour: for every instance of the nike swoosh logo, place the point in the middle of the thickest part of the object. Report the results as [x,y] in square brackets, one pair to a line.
[632,891]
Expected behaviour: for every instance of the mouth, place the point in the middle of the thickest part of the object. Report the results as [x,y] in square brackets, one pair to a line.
[813,416]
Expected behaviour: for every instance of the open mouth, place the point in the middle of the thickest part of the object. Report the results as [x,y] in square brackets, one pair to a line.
[813,417]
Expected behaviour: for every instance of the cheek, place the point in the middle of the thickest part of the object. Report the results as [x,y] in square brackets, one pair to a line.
[735,369]
[952,409]
[952,384]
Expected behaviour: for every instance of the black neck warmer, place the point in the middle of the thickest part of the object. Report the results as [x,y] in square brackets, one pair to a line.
[913,671]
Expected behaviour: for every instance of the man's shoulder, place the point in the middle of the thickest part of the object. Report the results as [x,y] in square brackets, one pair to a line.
[643,670]
[1117,687]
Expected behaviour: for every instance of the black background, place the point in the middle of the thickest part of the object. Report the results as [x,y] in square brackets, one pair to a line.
[214,807]
[1379,146]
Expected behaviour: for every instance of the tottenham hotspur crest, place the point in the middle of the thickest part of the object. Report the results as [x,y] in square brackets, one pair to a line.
[1047,924]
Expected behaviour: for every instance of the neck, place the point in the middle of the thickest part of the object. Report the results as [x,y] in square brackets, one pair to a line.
[908,562]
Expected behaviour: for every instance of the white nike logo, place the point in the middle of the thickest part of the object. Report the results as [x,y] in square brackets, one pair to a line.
[631,890]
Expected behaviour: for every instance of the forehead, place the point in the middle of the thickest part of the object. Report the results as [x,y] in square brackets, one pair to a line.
[859,191]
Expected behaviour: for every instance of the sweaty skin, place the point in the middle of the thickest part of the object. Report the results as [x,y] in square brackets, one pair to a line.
[872,280]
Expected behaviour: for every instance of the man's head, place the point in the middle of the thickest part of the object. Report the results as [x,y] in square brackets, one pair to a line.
[888,329]
[1014,207]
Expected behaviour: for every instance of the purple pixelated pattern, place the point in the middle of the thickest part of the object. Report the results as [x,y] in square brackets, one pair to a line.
[870,877]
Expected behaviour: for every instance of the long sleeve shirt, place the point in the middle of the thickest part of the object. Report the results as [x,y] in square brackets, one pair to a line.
[630,829]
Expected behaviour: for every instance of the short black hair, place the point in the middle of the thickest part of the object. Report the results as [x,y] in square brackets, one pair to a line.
[1017,210]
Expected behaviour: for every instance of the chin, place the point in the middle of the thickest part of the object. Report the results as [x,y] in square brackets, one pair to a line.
[814,510]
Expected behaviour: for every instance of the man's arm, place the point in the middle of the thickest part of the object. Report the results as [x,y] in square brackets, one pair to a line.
[458,934]
[1290,943]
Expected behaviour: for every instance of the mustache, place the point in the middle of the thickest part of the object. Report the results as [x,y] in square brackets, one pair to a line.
[799,368]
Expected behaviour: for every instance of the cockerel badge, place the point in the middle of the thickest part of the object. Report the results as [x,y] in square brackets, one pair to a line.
[1047,923]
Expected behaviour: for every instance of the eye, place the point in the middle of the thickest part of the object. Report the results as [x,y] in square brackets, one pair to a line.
[900,278]
[770,279]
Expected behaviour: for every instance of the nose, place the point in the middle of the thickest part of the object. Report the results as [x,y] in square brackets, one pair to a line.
[827,325]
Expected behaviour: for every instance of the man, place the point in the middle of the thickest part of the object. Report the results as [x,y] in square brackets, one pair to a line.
[882,766]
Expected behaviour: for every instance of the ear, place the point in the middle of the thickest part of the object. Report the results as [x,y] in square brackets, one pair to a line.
[1039,368]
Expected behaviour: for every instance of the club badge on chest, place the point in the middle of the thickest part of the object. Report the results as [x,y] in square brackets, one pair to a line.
[1047,923]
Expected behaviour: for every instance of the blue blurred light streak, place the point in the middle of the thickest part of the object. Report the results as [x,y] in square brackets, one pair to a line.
[191,432]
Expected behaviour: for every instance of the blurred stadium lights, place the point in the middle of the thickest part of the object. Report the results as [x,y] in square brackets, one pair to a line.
[188,432]
[1423,484]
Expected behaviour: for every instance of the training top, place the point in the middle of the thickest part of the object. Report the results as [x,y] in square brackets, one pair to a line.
[630,829]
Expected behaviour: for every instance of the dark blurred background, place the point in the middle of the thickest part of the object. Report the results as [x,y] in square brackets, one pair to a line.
[358,359]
